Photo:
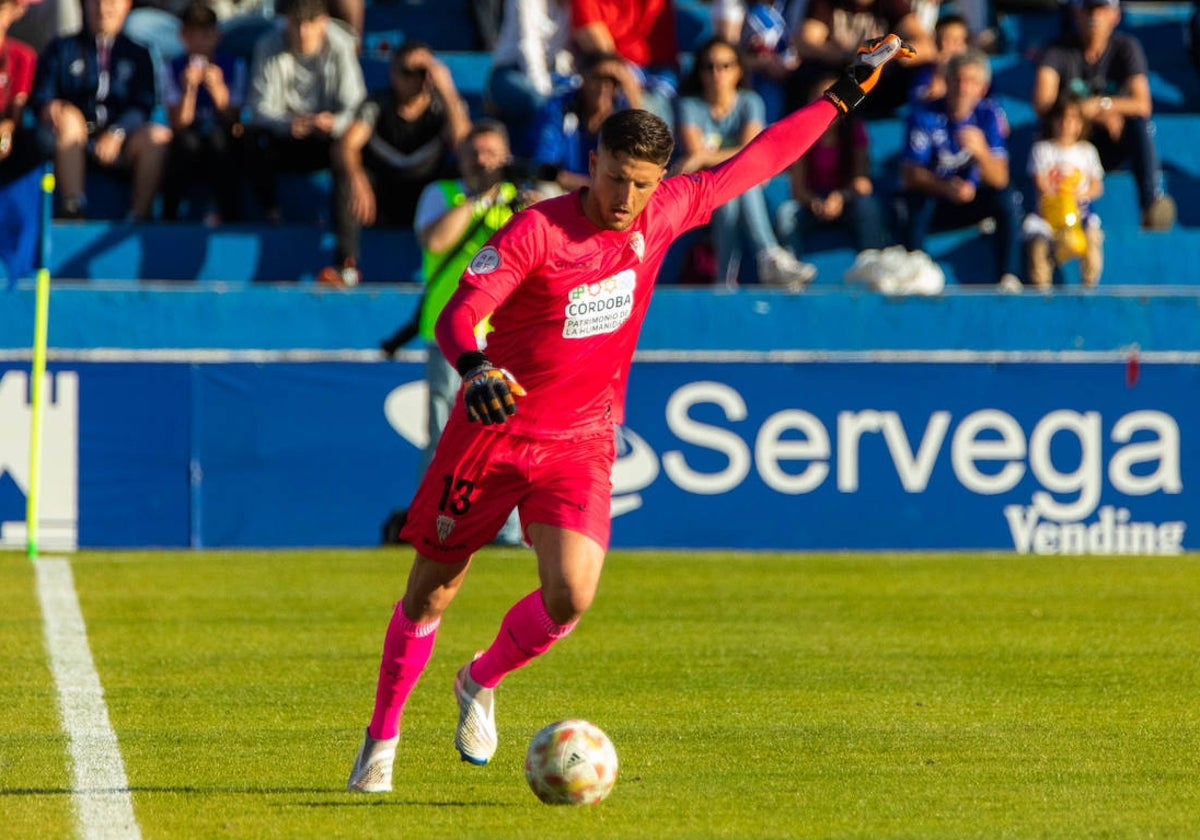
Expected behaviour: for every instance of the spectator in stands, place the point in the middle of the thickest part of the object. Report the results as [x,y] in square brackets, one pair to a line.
[1067,173]
[18,149]
[768,50]
[401,140]
[204,90]
[454,220]
[20,208]
[350,12]
[952,38]
[1107,70]
[955,169]
[94,94]
[831,186]
[43,21]
[305,84]
[487,17]
[726,18]
[718,116]
[643,33]
[831,33]
[531,60]
[568,127]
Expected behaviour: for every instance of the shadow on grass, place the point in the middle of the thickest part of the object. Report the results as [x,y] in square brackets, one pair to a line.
[357,801]
[348,800]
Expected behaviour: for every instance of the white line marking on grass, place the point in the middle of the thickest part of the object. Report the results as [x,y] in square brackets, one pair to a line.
[100,791]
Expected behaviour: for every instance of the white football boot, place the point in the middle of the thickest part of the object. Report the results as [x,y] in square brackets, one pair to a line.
[372,771]
[475,737]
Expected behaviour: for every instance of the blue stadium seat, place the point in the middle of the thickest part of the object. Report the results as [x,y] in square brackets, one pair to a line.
[443,24]
[693,24]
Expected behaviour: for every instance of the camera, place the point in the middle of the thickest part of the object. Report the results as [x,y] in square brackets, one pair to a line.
[525,173]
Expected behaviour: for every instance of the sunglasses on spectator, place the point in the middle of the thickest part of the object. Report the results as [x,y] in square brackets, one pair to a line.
[713,66]
[411,72]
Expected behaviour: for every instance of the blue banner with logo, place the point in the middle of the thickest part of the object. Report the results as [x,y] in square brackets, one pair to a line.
[1032,456]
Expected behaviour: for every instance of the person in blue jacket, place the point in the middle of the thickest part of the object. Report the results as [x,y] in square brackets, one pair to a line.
[94,95]
[955,168]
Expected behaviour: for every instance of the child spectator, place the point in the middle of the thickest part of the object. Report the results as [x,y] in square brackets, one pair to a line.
[831,185]
[94,94]
[305,84]
[952,38]
[401,140]
[1068,176]
[717,119]
[203,92]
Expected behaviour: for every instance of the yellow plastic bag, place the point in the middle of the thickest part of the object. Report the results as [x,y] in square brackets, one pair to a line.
[1061,210]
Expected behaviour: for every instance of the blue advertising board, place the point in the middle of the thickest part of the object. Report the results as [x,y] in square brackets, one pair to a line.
[1035,454]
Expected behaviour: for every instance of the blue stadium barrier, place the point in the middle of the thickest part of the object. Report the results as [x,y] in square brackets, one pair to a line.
[230,254]
[138,315]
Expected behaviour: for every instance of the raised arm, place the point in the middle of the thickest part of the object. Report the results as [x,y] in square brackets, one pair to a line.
[784,142]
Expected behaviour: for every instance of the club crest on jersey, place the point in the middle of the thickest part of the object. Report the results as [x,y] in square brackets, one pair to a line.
[444,526]
[638,243]
[486,261]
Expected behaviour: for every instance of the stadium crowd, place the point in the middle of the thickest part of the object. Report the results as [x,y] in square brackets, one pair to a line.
[201,105]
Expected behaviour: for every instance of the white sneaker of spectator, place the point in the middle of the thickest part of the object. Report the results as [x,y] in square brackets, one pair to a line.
[777,267]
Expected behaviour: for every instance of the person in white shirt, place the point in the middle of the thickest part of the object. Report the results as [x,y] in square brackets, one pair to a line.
[531,54]
[1066,170]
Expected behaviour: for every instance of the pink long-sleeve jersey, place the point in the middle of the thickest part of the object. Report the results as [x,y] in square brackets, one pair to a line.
[567,299]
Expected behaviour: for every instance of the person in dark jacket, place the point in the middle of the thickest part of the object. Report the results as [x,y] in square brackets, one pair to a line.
[94,95]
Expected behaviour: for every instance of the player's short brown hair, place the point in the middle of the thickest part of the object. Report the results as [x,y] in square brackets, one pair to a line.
[639,134]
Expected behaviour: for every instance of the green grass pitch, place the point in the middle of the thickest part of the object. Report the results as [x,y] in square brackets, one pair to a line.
[748,695]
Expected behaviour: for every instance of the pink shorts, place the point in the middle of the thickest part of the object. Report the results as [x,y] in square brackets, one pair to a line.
[479,475]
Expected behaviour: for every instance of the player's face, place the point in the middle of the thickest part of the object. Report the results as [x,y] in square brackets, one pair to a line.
[619,189]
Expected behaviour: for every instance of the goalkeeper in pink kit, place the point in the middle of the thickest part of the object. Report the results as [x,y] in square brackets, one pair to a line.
[567,283]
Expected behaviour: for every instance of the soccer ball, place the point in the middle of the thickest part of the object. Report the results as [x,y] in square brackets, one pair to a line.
[571,762]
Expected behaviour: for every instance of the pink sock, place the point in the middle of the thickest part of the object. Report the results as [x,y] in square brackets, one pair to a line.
[406,651]
[527,631]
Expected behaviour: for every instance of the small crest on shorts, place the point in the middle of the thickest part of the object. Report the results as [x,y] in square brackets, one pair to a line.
[638,243]
[444,526]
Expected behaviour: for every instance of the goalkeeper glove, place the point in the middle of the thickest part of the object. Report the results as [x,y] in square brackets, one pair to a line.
[848,92]
[488,391]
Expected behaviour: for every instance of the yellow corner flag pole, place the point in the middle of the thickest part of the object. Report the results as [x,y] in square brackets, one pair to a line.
[41,322]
